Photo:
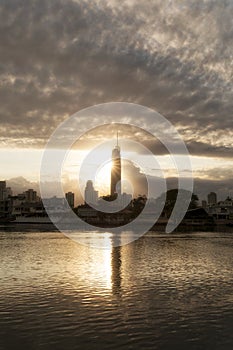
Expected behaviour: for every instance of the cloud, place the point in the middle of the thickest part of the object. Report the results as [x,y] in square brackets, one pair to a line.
[59,56]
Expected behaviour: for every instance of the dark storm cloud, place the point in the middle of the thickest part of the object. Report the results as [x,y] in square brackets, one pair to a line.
[58,56]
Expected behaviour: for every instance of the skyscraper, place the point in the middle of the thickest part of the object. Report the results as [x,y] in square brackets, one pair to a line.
[5,192]
[91,196]
[2,190]
[116,170]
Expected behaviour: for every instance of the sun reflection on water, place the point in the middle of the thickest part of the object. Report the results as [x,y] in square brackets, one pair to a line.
[101,271]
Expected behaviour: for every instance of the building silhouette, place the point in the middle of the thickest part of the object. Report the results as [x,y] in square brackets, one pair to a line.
[91,196]
[70,199]
[116,170]
[2,190]
[5,200]
[31,196]
[5,192]
[212,198]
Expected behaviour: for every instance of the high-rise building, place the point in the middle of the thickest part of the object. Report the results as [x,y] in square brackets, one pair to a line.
[70,199]
[31,196]
[91,196]
[212,198]
[116,170]
[5,200]
[5,192]
[2,190]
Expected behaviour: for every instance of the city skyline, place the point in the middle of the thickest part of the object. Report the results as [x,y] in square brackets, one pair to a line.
[116,180]
[28,208]
[103,178]
[161,55]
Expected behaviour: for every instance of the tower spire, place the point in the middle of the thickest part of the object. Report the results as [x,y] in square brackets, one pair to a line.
[116,169]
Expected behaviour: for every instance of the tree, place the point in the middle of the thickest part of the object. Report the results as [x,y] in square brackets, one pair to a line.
[171,198]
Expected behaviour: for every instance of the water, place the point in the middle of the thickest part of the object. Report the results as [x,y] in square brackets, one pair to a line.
[160,292]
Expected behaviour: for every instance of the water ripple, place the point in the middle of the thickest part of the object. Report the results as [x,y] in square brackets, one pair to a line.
[159,292]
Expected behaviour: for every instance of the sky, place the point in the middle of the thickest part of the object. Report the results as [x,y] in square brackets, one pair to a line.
[174,56]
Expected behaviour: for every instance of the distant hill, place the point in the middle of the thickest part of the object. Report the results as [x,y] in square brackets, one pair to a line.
[20,184]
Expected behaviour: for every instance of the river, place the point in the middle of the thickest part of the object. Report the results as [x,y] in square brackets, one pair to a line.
[159,292]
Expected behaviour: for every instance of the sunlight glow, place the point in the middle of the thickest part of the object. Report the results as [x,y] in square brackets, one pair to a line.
[103,178]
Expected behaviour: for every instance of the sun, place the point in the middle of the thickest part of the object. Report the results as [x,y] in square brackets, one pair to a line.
[103,178]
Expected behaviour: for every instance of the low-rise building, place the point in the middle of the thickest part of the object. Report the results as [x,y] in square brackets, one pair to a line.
[222,211]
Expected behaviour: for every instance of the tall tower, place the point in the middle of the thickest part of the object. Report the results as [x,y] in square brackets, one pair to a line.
[116,170]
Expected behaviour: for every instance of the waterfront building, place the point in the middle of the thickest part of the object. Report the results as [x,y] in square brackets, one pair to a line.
[222,212]
[198,217]
[87,213]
